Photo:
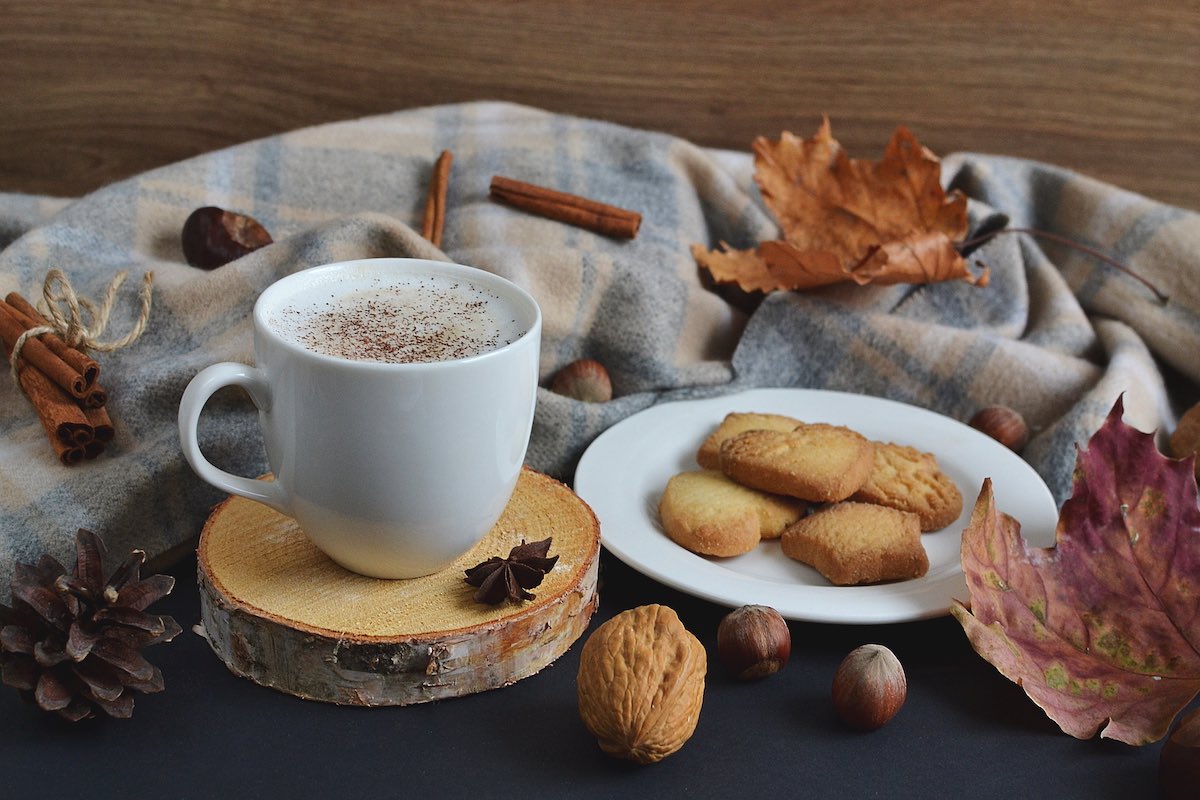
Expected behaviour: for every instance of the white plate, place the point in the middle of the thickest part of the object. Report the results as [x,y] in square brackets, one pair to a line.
[622,475]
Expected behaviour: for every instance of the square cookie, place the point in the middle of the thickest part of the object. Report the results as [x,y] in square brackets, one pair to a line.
[853,543]
[817,462]
[709,456]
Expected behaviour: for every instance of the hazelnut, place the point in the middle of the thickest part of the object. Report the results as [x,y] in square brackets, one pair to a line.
[585,380]
[869,687]
[212,237]
[1185,439]
[1002,424]
[753,642]
[1179,760]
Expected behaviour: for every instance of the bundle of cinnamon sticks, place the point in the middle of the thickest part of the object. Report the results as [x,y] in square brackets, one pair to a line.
[61,383]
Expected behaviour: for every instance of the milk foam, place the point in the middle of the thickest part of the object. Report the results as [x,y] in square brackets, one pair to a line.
[398,319]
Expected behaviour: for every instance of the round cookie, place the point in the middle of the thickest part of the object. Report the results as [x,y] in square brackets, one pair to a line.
[711,515]
[907,479]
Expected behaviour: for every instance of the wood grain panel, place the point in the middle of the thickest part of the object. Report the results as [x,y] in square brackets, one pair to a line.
[95,92]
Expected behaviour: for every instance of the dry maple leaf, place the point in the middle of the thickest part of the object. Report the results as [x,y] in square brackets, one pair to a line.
[1104,628]
[847,219]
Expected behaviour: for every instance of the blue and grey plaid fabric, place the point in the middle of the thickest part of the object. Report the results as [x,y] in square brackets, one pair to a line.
[1056,335]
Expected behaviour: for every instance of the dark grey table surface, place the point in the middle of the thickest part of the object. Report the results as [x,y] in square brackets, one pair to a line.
[965,731]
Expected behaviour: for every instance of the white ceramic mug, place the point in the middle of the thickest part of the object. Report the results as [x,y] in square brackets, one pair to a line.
[393,469]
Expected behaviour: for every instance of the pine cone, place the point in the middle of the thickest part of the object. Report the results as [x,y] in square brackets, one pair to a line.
[71,643]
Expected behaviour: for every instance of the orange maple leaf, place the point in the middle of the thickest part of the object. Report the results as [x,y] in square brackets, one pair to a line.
[846,219]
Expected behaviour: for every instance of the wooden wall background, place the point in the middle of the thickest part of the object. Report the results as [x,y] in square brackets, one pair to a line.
[95,91]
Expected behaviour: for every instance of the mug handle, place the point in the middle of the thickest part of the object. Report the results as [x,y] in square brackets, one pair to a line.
[202,387]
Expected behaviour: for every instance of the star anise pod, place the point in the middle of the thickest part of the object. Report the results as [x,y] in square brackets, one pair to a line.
[71,643]
[508,578]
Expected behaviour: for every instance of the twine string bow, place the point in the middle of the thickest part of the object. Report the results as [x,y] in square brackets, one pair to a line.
[82,323]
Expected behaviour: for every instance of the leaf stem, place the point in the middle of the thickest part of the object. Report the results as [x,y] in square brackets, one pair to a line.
[1054,237]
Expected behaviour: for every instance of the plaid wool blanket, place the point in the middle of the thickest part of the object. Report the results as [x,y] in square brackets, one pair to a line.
[1056,335]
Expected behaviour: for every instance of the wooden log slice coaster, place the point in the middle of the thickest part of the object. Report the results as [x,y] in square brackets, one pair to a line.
[278,611]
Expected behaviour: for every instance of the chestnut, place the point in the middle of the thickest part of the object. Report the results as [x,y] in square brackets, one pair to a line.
[753,642]
[869,687]
[212,237]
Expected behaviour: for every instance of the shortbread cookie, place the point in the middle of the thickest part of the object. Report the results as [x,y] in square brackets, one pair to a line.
[818,462]
[711,515]
[909,480]
[737,422]
[852,543]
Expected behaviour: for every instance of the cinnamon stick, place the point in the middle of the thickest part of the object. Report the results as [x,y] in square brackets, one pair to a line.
[66,424]
[96,397]
[435,204]
[602,218]
[75,434]
[79,361]
[102,426]
[39,355]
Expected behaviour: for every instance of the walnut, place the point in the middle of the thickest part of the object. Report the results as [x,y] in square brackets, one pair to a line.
[641,683]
